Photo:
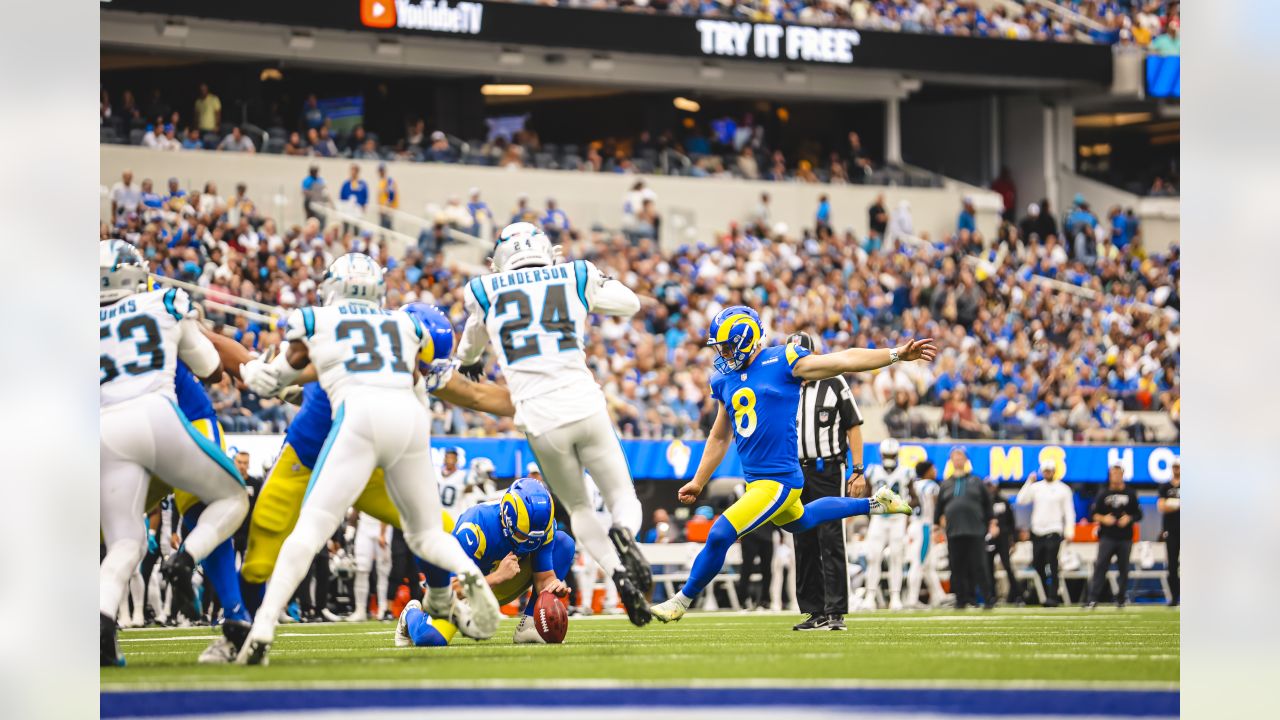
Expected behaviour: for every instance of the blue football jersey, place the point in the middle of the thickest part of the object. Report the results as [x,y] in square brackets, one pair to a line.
[307,433]
[193,401]
[761,400]
[479,531]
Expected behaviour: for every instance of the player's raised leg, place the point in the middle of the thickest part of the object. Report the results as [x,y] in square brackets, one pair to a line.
[602,456]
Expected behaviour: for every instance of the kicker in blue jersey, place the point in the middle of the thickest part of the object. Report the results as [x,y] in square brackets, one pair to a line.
[762,398]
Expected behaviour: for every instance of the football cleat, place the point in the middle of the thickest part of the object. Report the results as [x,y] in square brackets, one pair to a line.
[224,650]
[485,611]
[836,623]
[402,626]
[527,632]
[109,646]
[668,611]
[638,611]
[813,622]
[632,559]
[888,502]
[254,652]
[177,570]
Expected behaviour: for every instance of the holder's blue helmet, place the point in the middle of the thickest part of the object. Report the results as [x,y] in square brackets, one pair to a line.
[528,515]
[437,331]
[735,334]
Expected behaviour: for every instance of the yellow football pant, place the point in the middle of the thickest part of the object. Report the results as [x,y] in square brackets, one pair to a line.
[764,501]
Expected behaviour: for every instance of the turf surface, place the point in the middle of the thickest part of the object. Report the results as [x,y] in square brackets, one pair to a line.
[1100,648]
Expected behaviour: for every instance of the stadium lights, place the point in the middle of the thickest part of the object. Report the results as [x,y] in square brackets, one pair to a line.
[710,71]
[389,48]
[301,41]
[687,105]
[600,63]
[510,57]
[506,89]
[174,29]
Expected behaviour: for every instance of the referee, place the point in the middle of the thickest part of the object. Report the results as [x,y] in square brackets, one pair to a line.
[829,425]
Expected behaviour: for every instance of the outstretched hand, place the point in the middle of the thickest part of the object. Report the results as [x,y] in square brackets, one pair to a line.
[922,349]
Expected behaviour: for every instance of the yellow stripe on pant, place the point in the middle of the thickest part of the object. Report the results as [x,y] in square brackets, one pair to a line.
[764,501]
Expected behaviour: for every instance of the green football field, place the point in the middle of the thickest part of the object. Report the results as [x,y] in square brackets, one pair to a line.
[1132,648]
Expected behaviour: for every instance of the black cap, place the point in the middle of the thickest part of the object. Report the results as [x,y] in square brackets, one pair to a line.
[803,339]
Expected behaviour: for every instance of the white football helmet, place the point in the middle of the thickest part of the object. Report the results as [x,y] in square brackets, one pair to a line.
[889,453]
[353,276]
[122,268]
[521,245]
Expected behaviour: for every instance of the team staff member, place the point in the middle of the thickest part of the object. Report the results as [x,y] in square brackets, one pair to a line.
[1116,510]
[1053,516]
[964,511]
[1001,543]
[829,426]
[1169,504]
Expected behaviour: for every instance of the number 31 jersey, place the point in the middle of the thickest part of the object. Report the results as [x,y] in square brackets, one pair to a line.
[357,344]
[142,337]
[537,320]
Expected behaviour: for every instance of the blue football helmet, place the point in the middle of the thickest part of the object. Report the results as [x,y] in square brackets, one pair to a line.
[735,334]
[433,360]
[528,515]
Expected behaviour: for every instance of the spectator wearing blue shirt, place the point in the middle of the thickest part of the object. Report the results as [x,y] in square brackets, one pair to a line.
[1080,226]
[355,190]
[175,192]
[151,200]
[314,191]
[480,212]
[824,212]
[967,221]
[191,140]
[555,221]
[312,116]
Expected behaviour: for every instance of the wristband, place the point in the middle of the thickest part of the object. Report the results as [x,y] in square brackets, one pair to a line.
[893,355]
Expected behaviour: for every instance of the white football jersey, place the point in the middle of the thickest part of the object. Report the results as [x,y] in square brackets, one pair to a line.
[927,491]
[357,344]
[453,491]
[142,337]
[896,480]
[537,320]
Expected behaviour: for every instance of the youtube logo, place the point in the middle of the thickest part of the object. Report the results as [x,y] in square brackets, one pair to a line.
[378,13]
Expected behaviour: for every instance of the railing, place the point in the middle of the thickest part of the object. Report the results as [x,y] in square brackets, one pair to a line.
[268,314]
[1067,13]
[398,243]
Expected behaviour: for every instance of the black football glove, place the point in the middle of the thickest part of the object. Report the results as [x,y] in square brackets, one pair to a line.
[473,372]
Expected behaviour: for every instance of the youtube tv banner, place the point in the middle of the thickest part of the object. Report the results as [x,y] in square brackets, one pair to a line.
[610,31]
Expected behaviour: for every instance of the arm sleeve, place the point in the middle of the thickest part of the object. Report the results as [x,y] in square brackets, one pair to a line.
[300,324]
[1137,506]
[544,557]
[940,506]
[1027,493]
[988,509]
[602,294]
[850,416]
[793,354]
[470,537]
[1068,513]
[194,349]
[1095,507]
[475,336]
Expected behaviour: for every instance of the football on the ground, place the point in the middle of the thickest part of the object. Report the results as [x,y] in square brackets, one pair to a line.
[550,618]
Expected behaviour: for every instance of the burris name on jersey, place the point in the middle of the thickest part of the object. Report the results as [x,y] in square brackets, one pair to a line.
[520,277]
[362,310]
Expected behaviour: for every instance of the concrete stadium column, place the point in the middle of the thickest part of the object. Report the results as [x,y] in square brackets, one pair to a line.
[1024,147]
[892,133]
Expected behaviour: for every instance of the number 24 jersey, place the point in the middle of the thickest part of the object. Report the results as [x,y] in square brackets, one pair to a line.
[357,344]
[761,400]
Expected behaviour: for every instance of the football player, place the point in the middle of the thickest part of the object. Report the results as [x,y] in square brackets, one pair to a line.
[514,541]
[143,335]
[279,503]
[887,531]
[758,389]
[373,543]
[453,483]
[535,310]
[366,358]
[922,550]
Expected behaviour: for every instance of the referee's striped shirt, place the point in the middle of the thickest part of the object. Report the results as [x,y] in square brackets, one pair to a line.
[826,414]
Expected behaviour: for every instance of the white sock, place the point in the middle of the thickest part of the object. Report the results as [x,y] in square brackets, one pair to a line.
[438,601]
[684,600]
[594,539]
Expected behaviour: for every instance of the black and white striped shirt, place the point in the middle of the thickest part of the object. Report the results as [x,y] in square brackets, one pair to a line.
[826,414]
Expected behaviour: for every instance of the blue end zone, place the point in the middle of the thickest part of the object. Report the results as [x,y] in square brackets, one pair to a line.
[983,702]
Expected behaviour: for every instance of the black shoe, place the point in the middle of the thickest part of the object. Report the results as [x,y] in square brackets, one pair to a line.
[1120,605]
[177,571]
[815,621]
[255,653]
[632,559]
[635,603]
[236,632]
[109,649]
[1052,603]
[1090,606]
[836,622]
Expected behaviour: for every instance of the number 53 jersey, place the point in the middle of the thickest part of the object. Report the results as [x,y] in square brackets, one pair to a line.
[142,337]
[537,319]
[761,400]
[358,344]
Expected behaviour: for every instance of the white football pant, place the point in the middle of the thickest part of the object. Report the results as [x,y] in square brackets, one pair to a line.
[885,532]
[590,444]
[147,436]
[922,563]
[368,552]
[784,559]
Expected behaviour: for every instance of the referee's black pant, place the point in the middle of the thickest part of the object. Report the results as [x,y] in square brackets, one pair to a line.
[822,575]
[1044,559]
[967,554]
[1109,548]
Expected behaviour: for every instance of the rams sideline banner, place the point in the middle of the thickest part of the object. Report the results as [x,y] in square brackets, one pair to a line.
[677,460]
[710,38]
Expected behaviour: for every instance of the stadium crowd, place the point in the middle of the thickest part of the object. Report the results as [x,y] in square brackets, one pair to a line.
[1110,22]
[1042,337]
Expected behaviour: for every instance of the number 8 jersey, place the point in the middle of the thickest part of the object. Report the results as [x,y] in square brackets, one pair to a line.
[358,344]
[537,319]
[142,337]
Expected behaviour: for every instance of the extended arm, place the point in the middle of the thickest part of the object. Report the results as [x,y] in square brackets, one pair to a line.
[818,367]
[607,296]
[485,397]
[231,353]
[475,336]
[713,453]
